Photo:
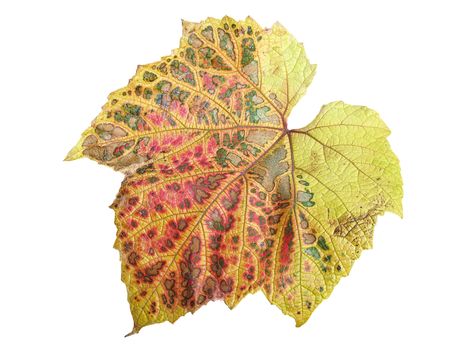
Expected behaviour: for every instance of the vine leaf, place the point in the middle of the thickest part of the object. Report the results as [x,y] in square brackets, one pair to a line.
[220,199]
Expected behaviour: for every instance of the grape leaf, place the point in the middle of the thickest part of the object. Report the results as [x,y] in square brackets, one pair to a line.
[220,198]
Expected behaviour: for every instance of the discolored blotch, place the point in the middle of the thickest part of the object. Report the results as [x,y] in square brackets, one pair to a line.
[270,169]
[217,222]
[251,70]
[208,33]
[322,243]
[283,187]
[104,127]
[287,243]
[108,131]
[195,41]
[260,137]
[205,185]
[313,252]
[149,76]
[182,72]
[233,158]
[226,44]
[305,198]
[248,49]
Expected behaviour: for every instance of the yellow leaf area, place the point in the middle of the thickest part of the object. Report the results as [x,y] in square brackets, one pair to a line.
[220,199]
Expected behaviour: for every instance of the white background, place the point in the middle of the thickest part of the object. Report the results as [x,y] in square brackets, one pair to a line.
[60,277]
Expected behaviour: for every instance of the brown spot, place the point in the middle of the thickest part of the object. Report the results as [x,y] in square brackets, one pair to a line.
[217,265]
[132,258]
[152,308]
[214,181]
[194,41]
[195,245]
[151,233]
[200,195]
[196,272]
[209,287]
[303,221]
[128,246]
[105,127]
[215,241]
[188,293]
[154,269]
[226,285]
[119,132]
[169,283]
[232,201]
[309,238]
[274,219]
[133,201]
[182,224]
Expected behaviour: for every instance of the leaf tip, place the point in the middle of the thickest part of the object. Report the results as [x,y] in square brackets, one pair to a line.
[300,321]
[279,29]
[228,19]
[188,26]
[135,330]
[231,304]
[399,211]
[75,153]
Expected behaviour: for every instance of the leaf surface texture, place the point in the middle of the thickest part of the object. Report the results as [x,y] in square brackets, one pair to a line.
[220,199]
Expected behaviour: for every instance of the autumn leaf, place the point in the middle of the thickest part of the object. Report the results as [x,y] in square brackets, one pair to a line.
[220,199]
